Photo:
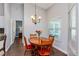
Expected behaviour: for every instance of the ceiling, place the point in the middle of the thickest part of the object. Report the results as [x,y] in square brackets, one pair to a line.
[44,5]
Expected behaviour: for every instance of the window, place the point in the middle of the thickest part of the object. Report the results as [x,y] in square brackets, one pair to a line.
[73,23]
[54,28]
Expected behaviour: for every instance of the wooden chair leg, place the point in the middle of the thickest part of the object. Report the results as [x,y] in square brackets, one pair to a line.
[25,52]
[3,54]
[53,52]
[33,53]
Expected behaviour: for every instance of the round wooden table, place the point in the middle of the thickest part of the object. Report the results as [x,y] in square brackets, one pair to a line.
[40,41]
[37,43]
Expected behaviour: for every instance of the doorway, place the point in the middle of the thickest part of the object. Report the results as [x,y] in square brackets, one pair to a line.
[18,29]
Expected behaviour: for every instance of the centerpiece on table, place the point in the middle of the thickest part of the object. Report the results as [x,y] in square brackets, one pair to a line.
[38,32]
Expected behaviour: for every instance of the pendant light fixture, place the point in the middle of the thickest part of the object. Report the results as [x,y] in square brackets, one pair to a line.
[35,18]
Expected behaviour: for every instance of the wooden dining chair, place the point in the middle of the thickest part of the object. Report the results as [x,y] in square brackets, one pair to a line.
[46,50]
[51,38]
[33,36]
[27,47]
[2,45]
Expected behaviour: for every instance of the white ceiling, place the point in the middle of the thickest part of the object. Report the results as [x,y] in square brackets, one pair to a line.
[44,5]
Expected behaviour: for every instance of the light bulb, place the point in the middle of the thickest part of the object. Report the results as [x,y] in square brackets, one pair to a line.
[39,17]
[32,16]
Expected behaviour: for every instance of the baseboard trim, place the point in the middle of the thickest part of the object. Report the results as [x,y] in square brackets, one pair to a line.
[9,46]
[60,50]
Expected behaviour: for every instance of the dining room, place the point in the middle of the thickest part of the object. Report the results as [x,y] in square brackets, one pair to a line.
[38,27]
[44,31]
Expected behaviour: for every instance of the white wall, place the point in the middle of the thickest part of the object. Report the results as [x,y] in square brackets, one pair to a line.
[7,25]
[1,21]
[60,10]
[1,15]
[17,11]
[1,9]
[30,27]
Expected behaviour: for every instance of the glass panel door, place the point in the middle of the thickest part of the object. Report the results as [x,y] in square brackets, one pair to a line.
[72,44]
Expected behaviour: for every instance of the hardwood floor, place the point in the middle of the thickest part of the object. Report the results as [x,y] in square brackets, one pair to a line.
[18,50]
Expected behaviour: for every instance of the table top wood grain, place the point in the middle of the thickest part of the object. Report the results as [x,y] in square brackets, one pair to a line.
[42,41]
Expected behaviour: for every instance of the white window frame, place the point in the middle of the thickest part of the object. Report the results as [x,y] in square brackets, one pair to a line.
[55,19]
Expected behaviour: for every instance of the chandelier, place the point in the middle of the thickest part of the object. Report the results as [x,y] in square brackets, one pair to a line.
[35,18]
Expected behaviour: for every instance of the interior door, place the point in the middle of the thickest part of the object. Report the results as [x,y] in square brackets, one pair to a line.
[73,41]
